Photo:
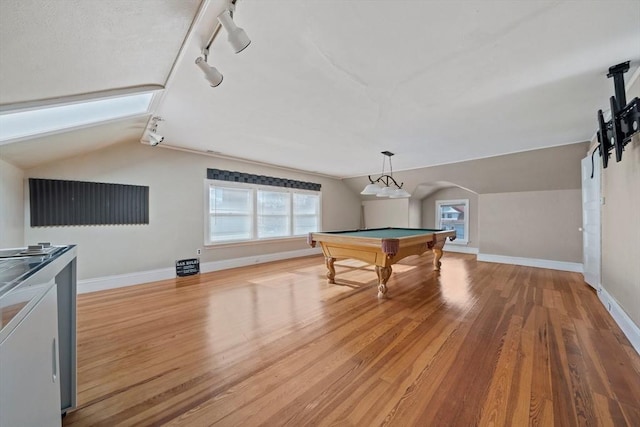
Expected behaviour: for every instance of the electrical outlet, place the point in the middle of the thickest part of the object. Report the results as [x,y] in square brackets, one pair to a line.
[198,251]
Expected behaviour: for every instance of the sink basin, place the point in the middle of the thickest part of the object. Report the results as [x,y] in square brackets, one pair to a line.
[35,250]
[9,253]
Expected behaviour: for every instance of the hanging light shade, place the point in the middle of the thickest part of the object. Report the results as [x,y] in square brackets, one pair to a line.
[371,190]
[385,192]
[390,188]
[399,193]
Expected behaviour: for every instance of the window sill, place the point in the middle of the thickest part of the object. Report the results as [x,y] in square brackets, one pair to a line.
[254,242]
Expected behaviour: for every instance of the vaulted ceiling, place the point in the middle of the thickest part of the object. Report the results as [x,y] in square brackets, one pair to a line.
[325,85]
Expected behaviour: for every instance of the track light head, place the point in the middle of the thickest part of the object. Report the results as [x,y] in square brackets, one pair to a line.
[212,75]
[237,37]
[155,139]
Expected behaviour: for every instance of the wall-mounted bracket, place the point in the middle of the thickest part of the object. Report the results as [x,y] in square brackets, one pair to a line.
[625,118]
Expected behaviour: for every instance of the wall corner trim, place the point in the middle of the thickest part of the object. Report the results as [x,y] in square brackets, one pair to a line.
[532,262]
[140,277]
[630,329]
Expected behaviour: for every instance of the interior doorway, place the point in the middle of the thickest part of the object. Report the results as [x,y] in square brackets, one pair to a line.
[591,221]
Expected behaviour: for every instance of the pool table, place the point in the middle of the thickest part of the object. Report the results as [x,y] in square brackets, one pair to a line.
[381,247]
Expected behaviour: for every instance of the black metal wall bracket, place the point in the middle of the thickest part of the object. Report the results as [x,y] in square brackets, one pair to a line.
[386,180]
[616,133]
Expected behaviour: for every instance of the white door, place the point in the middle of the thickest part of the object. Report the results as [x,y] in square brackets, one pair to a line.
[591,220]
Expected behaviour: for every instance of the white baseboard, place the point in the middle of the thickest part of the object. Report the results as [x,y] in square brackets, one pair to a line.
[137,278]
[630,329]
[532,262]
[122,280]
[256,259]
[450,247]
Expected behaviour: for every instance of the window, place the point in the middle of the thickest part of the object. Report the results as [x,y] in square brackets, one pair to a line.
[454,215]
[30,122]
[240,212]
[230,214]
[274,214]
[306,213]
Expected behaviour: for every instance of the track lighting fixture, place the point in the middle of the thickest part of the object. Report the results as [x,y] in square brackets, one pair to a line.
[212,74]
[154,138]
[237,38]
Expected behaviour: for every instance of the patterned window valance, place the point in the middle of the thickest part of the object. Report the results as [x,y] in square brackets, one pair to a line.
[223,175]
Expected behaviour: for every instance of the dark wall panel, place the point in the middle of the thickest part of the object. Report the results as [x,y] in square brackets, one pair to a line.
[59,202]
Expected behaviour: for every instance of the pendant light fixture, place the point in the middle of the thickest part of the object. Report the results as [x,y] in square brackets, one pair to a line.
[390,188]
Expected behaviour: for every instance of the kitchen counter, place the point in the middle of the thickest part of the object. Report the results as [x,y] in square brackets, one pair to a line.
[24,281]
[15,269]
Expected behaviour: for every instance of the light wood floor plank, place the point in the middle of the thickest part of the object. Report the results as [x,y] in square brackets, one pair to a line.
[274,344]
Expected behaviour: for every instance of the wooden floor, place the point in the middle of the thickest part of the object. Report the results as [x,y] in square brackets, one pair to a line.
[478,344]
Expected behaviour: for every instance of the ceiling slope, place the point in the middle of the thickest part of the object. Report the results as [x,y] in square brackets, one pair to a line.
[326,85]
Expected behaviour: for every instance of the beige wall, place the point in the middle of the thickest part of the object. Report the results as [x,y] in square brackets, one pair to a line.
[555,168]
[532,224]
[527,181]
[386,213]
[621,226]
[452,193]
[11,206]
[415,213]
[176,195]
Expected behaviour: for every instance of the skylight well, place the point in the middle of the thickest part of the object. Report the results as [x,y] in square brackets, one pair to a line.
[34,121]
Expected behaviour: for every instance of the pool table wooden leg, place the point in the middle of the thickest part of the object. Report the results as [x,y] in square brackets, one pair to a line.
[383,276]
[331,274]
[437,254]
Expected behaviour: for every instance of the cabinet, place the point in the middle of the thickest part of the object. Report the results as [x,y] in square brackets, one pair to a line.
[29,367]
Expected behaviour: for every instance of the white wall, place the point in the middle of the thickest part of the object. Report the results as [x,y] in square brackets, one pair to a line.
[11,206]
[176,217]
[386,213]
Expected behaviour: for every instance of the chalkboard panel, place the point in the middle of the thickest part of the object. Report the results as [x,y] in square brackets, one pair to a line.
[187,267]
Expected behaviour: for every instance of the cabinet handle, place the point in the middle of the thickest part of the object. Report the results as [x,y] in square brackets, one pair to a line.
[54,360]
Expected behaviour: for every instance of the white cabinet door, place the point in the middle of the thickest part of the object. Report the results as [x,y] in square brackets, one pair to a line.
[29,383]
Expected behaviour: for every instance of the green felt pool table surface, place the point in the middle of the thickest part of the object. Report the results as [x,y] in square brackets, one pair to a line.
[386,233]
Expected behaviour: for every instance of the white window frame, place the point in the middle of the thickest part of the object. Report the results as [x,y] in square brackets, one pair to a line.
[438,225]
[254,229]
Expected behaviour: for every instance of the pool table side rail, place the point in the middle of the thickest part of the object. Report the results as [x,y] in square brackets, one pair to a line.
[378,251]
[435,237]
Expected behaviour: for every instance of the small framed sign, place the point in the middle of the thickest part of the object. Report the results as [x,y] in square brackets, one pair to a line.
[187,267]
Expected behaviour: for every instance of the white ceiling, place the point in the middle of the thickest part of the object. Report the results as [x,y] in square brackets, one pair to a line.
[326,85]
